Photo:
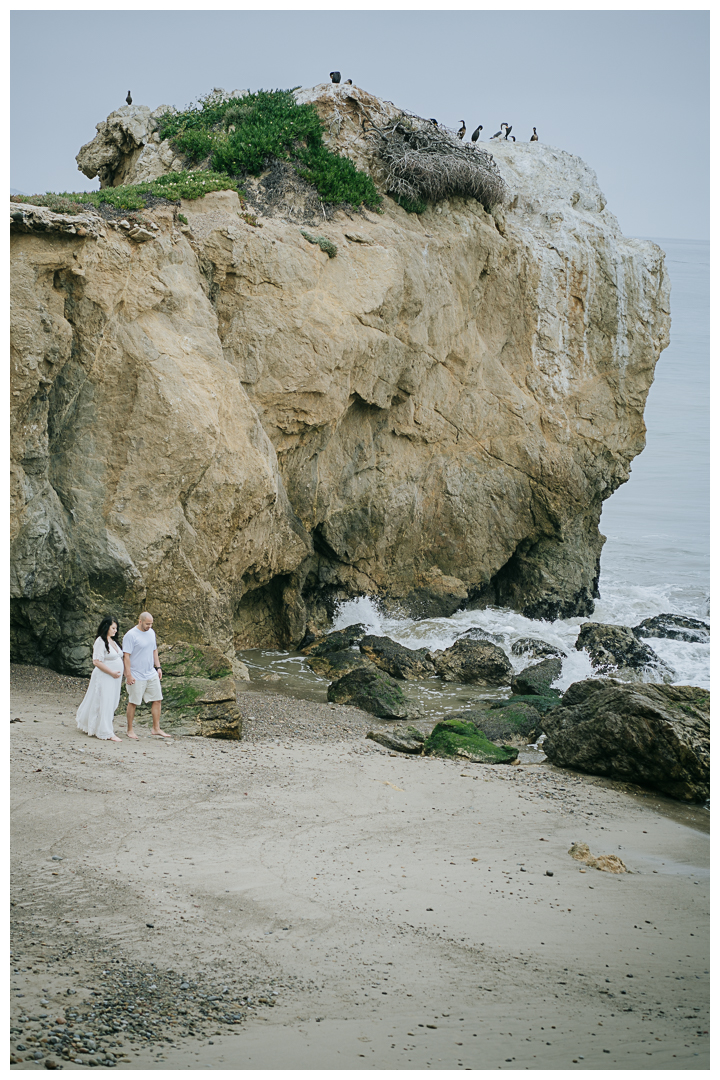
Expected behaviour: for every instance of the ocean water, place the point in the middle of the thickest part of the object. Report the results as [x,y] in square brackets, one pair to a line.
[656,558]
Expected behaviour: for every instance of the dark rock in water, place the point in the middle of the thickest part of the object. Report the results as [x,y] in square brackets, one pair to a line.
[396,659]
[436,596]
[611,648]
[336,664]
[406,740]
[536,648]
[373,691]
[473,662]
[454,738]
[679,627]
[513,720]
[193,661]
[542,702]
[649,734]
[537,678]
[336,640]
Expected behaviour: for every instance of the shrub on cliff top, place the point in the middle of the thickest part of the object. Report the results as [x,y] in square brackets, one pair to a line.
[172,186]
[238,136]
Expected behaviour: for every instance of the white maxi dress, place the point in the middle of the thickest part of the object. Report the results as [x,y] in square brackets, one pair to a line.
[95,715]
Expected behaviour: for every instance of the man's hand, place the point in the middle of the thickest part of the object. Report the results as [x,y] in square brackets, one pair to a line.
[159,673]
[130,680]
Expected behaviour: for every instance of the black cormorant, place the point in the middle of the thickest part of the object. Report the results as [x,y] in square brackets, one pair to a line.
[433,121]
[508,130]
[534,136]
[499,134]
[129,98]
[335,76]
[461,132]
[348,82]
[476,133]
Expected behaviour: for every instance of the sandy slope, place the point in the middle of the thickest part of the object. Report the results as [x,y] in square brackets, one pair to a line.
[351,874]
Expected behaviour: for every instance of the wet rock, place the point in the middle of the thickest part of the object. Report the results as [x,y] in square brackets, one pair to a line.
[536,648]
[396,659]
[375,692]
[436,596]
[193,661]
[679,627]
[650,734]
[512,721]
[543,703]
[336,640]
[406,740]
[455,738]
[536,679]
[476,633]
[473,662]
[336,664]
[615,648]
[612,864]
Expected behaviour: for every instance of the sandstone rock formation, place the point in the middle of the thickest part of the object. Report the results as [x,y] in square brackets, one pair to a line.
[611,864]
[649,734]
[220,423]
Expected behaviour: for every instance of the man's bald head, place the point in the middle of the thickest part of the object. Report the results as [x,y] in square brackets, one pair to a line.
[145,620]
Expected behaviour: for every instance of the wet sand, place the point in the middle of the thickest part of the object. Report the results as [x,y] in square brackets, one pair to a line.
[398,908]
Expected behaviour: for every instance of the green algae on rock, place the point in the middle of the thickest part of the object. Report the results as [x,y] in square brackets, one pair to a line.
[457,739]
[514,720]
[536,679]
[375,692]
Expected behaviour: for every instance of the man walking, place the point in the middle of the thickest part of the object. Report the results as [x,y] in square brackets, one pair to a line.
[143,673]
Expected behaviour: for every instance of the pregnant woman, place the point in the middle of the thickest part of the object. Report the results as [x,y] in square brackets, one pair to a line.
[95,715]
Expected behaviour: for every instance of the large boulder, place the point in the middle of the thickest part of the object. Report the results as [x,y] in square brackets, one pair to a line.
[537,679]
[504,722]
[397,660]
[650,734]
[199,693]
[473,662]
[404,739]
[336,640]
[679,627]
[456,738]
[375,692]
[535,648]
[616,649]
[436,596]
[336,664]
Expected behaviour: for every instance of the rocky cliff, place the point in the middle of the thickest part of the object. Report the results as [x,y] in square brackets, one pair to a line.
[220,422]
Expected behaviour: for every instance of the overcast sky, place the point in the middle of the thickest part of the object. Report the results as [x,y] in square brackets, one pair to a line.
[627,91]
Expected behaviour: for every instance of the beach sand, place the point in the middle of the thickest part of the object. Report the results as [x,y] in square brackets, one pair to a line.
[399,908]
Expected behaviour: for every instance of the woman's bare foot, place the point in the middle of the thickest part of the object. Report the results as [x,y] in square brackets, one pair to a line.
[131,735]
[114,738]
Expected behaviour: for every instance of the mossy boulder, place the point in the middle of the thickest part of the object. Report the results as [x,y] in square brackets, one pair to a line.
[336,640]
[183,660]
[397,660]
[454,738]
[375,692]
[469,661]
[336,664]
[405,739]
[518,721]
[542,702]
[535,680]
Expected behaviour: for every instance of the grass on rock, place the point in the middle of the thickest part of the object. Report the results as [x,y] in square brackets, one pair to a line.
[173,186]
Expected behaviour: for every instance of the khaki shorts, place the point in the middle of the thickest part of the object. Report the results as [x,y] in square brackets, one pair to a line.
[144,690]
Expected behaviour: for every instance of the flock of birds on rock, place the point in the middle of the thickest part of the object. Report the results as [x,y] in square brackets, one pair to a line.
[336,76]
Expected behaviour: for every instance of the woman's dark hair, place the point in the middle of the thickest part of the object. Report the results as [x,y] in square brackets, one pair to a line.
[104,628]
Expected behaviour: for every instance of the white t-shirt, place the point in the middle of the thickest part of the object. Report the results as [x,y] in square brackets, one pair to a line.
[140,644]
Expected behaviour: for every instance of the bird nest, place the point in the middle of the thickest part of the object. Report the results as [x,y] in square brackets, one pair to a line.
[426,162]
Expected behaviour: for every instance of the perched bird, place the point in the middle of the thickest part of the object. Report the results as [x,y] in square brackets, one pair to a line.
[534,136]
[499,134]
[335,76]
[476,133]
[129,98]
[433,121]
[461,132]
[348,82]
[507,132]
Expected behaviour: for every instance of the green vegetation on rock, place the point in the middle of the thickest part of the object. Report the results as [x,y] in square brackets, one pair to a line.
[239,136]
[542,702]
[455,738]
[322,242]
[410,206]
[173,186]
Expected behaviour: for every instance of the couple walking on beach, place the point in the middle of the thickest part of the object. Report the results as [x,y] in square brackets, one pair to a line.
[138,660]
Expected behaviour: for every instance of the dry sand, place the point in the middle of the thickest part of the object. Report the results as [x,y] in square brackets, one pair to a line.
[398,907]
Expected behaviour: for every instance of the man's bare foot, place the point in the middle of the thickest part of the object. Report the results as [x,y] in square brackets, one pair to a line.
[131,735]
[114,738]
[161,732]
